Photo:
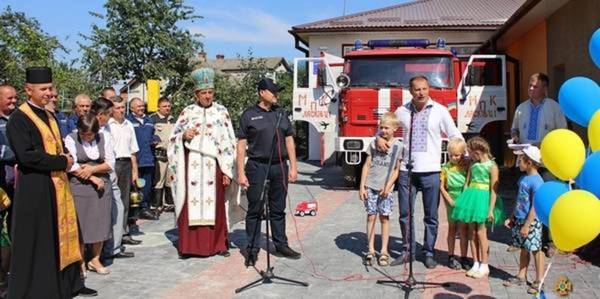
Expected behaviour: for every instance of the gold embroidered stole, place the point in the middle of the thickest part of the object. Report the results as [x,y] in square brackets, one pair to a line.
[68,234]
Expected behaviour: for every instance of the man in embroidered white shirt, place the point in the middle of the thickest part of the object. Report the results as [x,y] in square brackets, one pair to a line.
[533,119]
[430,122]
[538,115]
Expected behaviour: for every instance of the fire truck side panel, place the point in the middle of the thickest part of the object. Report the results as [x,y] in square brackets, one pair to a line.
[481,93]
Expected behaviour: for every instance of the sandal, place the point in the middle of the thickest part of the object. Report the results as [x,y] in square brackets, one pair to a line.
[100,270]
[511,248]
[369,258]
[533,288]
[514,281]
[384,260]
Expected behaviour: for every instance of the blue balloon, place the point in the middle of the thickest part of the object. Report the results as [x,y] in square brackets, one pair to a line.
[594,47]
[544,199]
[579,98]
[589,175]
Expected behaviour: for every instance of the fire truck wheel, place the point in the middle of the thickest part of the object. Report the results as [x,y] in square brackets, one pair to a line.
[313,213]
[302,214]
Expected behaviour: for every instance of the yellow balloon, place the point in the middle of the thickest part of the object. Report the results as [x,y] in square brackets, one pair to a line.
[563,153]
[574,219]
[594,131]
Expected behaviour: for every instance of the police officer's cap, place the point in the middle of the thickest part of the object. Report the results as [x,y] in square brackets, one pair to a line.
[268,84]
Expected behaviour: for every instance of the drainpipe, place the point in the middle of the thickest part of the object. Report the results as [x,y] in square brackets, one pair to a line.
[297,45]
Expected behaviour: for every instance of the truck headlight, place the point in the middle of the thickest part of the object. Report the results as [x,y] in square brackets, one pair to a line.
[342,81]
[353,145]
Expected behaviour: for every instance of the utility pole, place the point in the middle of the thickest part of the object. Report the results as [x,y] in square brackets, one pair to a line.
[344,12]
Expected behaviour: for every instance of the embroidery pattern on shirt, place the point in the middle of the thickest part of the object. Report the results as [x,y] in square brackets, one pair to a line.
[534,116]
[420,130]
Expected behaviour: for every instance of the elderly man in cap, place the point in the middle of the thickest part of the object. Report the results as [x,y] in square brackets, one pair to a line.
[201,157]
[257,133]
[46,255]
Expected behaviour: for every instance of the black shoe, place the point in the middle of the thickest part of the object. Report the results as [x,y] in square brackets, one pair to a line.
[402,259]
[251,260]
[430,263]
[148,215]
[123,255]
[86,292]
[287,252]
[128,240]
[157,199]
[465,264]
[224,253]
[453,263]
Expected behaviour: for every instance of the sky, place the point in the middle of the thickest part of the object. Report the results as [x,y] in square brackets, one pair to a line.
[228,27]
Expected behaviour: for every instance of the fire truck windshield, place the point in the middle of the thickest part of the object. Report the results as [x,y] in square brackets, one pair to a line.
[396,71]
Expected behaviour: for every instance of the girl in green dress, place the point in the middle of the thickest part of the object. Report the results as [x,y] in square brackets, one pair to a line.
[453,177]
[479,204]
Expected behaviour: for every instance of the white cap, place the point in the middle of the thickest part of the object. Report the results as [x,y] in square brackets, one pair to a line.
[532,152]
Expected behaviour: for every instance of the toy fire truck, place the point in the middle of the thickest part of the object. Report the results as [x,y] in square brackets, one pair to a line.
[307,208]
[343,98]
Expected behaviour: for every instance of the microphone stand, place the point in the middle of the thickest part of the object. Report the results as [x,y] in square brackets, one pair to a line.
[410,283]
[267,276]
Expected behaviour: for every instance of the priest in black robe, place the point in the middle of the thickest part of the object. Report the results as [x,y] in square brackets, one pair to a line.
[46,256]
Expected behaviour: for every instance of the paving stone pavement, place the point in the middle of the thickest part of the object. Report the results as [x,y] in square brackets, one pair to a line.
[332,244]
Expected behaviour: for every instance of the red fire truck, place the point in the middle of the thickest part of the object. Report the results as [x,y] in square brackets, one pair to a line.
[343,98]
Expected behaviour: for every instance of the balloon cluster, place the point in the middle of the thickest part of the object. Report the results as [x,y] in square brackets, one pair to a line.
[573,216]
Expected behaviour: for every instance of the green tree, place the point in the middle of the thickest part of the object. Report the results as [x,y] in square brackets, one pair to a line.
[142,40]
[23,43]
[71,81]
[239,93]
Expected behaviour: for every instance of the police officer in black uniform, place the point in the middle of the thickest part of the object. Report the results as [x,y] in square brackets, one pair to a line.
[257,133]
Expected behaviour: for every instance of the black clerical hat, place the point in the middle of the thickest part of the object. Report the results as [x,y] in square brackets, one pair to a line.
[38,74]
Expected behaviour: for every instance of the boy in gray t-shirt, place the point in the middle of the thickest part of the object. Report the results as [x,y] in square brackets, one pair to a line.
[379,174]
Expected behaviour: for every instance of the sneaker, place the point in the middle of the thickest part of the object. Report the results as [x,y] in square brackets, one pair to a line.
[481,273]
[472,271]
[430,263]
[453,263]
[287,252]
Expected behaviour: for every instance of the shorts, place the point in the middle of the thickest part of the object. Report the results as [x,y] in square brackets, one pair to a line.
[376,204]
[533,241]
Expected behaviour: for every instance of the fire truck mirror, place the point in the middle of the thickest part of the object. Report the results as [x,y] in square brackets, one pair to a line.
[463,94]
[471,76]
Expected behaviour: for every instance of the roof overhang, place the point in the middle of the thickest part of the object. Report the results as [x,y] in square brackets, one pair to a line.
[303,34]
[530,14]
